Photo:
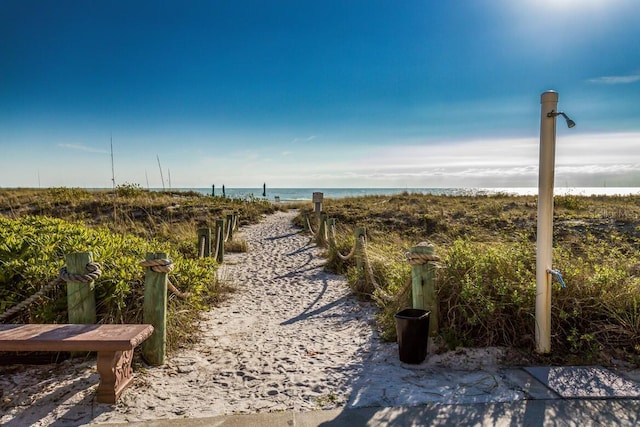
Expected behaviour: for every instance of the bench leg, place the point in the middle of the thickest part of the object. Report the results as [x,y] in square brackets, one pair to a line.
[115,372]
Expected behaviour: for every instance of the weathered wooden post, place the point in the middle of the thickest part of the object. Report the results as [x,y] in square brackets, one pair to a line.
[317,202]
[224,194]
[213,190]
[321,238]
[264,190]
[230,224]
[204,242]
[81,301]
[423,277]
[154,311]
[220,240]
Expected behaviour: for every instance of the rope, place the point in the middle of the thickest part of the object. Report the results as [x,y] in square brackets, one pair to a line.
[333,242]
[420,259]
[164,266]
[218,237]
[203,240]
[93,272]
[385,296]
[228,231]
[24,304]
[309,225]
[177,292]
[158,265]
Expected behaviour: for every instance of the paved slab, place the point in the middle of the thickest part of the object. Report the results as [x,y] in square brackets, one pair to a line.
[584,381]
[555,412]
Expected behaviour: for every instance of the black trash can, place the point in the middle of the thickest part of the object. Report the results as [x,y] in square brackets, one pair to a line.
[412,327]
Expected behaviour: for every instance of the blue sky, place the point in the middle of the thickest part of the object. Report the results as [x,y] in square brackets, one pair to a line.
[316,93]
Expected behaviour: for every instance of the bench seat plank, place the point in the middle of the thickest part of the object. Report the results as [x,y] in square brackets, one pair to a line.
[114,344]
[64,337]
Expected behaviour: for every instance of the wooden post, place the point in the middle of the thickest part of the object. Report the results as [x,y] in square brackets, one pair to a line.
[230,226]
[359,254]
[264,190]
[423,286]
[154,312]
[223,192]
[213,190]
[544,243]
[204,248]
[220,240]
[81,301]
[317,202]
[322,231]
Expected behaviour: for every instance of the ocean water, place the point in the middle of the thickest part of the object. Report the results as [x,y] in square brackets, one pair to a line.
[305,194]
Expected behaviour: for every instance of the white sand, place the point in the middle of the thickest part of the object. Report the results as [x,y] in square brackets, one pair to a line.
[290,338]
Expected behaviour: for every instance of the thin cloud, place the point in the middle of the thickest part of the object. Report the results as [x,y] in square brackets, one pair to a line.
[307,139]
[615,80]
[78,147]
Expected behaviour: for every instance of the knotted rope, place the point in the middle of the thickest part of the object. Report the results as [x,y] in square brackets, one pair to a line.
[93,272]
[164,266]
[158,265]
[420,259]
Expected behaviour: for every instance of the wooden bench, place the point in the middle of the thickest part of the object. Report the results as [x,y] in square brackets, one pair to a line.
[113,343]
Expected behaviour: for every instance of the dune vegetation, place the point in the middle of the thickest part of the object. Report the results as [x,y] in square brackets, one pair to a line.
[485,280]
[38,228]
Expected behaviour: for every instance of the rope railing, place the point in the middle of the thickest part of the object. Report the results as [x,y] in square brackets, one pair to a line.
[421,259]
[203,241]
[164,266]
[218,237]
[379,291]
[228,231]
[33,298]
[334,245]
[93,272]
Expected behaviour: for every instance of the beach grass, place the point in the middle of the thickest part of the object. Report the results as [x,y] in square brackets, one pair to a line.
[485,280]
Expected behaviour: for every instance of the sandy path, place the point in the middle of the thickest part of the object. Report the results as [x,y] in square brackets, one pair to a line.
[290,338]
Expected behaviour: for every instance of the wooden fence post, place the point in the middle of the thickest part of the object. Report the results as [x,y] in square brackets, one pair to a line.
[423,291]
[317,202]
[213,190]
[220,240]
[230,226]
[204,242]
[321,238]
[81,301]
[155,312]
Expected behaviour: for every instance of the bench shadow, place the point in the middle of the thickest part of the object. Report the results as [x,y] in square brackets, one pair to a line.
[80,410]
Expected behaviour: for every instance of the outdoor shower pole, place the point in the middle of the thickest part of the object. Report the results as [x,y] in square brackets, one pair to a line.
[549,101]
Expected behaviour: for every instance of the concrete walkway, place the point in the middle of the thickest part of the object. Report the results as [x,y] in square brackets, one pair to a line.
[530,413]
